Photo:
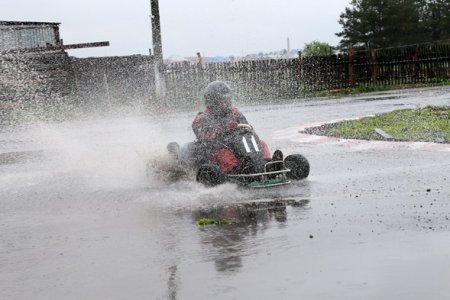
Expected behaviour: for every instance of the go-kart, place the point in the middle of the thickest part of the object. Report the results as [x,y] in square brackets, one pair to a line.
[253,170]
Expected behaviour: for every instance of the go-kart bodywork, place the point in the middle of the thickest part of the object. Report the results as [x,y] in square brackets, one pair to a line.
[253,170]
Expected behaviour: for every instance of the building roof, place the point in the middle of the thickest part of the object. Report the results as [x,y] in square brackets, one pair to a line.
[12,23]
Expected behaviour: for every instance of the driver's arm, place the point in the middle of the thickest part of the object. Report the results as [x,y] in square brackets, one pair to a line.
[202,130]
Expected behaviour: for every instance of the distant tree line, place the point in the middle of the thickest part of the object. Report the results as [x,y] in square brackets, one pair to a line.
[392,23]
[317,48]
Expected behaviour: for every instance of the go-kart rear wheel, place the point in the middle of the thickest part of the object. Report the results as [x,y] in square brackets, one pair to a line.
[210,175]
[298,165]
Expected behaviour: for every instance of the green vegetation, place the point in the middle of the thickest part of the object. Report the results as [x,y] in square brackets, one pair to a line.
[215,221]
[316,48]
[428,124]
[375,88]
[390,23]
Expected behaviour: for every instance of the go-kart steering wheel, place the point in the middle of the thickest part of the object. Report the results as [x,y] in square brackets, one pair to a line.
[248,126]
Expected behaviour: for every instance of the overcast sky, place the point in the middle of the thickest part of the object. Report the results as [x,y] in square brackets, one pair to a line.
[212,27]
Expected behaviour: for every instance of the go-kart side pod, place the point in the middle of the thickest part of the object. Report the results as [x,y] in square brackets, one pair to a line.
[210,175]
[298,165]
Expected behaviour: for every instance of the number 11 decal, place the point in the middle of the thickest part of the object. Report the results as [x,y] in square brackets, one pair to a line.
[247,147]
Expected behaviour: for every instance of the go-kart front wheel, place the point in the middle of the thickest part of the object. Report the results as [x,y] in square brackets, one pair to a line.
[210,175]
[298,165]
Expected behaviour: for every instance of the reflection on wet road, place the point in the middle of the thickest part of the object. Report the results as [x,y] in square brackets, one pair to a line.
[80,220]
[227,244]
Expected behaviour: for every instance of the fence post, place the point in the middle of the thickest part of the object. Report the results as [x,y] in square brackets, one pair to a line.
[105,82]
[375,68]
[200,61]
[351,74]
[300,75]
[416,68]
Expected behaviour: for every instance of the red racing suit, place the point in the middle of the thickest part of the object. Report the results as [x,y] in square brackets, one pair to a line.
[209,128]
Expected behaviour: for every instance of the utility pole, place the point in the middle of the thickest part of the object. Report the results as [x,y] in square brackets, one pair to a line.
[157,50]
[156,31]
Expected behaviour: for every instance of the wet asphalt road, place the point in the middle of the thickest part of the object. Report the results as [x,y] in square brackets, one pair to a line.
[79,219]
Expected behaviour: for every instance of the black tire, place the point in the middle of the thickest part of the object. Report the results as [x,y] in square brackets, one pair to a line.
[210,175]
[298,165]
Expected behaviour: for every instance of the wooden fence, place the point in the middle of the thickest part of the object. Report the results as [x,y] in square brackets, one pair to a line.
[130,80]
[110,81]
[377,67]
[250,80]
[288,78]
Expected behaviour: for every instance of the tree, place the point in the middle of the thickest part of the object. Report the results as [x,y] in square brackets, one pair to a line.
[379,23]
[316,48]
[435,19]
[403,23]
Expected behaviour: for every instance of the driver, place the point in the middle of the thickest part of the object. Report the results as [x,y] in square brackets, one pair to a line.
[218,118]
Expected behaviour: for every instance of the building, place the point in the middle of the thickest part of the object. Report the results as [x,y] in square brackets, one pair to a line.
[34,66]
[28,35]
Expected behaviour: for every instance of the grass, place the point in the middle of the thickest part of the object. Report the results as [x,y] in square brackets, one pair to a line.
[375,88]
[215,221]
[428,124]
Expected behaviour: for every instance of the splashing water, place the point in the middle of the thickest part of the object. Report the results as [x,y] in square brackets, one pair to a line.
[109,155]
